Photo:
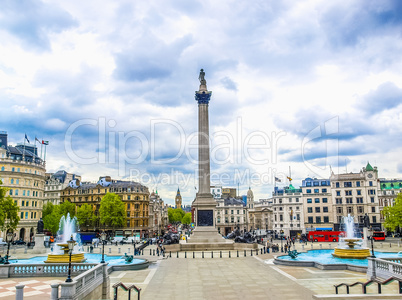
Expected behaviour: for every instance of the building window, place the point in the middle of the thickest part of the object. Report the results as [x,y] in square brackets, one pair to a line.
[360,209]
[338,193]
[308,191]
[22,203]
[309,210]
[310,220]
[357,183]
[26,215]
[326,219]
[337,184]
[350,210]
[325,209]
[372,199]
[338,200]
[317,200]
[317,209]
[349,200]
[318,220]
[11,192]
[347,184]
[373,209]
[297,199]
[359,200]
[324,200]
[309,200]
[371,192]
[316,191]
[324,190]
[12,181]
[359,192]
[370,183]
[374,219]
[22,215]
[280,218]
[16,192]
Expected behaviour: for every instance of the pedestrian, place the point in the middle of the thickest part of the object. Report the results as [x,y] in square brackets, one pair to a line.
[157,251]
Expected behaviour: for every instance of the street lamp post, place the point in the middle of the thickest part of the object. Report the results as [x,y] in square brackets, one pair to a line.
[71,244]
[281,240]
[103,238]
[9,239]
[372,247]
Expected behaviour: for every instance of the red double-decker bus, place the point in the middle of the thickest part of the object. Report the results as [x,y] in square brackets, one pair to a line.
[324,236]
[379,235]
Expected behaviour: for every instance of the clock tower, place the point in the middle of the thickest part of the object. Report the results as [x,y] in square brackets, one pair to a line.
[178,199]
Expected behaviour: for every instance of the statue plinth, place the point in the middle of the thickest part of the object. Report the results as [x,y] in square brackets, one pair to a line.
[39,247]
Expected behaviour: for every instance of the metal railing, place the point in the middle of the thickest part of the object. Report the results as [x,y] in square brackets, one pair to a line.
[126,288]
[42,270]
[364,285]
[384,267]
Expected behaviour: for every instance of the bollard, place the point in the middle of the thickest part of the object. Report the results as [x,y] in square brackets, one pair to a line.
[14,250]
[229,255]
[237,253]
[303,247]
[212,254]
[54,294]
[193,255]
[311,246]
[150,252]
[129,251]
[119,250]
[256,252]
[202,254]
[220,254]
[261,250]
[399,244]
[143,252]
[170,254]
[177,254]
[245,254]
[320,246]
[330,246]
[19,293]
[381,245]
[251,251]
[390,245]
[264,250]
[267,249]
[26,248]
[110,250]
[185,254]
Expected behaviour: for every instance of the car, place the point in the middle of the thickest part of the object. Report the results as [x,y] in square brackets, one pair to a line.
[19,242]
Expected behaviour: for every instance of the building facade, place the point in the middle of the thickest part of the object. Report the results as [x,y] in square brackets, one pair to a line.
[230,214]
[178,199]
[287,209]
[356,194]
[388,190]
[55,183]
[134,195]
[158,215]
[23,174]
[317,204]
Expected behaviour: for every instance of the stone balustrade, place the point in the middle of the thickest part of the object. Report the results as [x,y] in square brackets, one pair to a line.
[384,268]
[42,270]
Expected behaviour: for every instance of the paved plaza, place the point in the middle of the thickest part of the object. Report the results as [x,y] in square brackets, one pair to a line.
[250,277]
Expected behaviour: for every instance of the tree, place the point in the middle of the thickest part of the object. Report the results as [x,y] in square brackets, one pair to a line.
[67,208]
[393,214]
[112,211]
[187,218]
[51,217]
[85,215]
[8,211]
[175,215]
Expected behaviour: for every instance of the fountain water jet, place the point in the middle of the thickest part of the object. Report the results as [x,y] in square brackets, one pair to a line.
[348,246]
[67,229]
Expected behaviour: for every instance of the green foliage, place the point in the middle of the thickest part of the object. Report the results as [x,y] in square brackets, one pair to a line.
[51,217]
[8,211]
[112,211]
[67,207]
[175,215]
[85,215]
[393,214]
[187,218]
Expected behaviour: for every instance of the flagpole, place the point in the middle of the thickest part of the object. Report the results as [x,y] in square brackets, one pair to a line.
[41,147]
[23,154]
[44,159]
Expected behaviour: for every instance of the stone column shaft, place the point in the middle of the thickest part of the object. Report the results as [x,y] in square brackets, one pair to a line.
[203,150]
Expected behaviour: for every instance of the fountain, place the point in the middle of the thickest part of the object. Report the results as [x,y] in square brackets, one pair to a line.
[67,229]
[350,246]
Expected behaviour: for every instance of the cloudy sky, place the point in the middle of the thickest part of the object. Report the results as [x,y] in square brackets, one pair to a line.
[306,85]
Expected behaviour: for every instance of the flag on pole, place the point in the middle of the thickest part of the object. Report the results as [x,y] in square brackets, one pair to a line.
[37,140]
[277,179]
[45,142]
[26,138]
[290,179]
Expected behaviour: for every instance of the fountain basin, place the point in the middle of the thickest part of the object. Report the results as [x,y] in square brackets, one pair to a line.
[351,253]
[65,258]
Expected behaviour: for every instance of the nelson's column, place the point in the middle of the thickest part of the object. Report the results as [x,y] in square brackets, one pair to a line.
[205,233]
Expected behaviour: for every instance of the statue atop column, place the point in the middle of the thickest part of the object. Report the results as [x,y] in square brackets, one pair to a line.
[202,77]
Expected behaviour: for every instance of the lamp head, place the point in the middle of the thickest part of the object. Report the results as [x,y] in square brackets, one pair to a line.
[103,236]
[71,243]
[9,237]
